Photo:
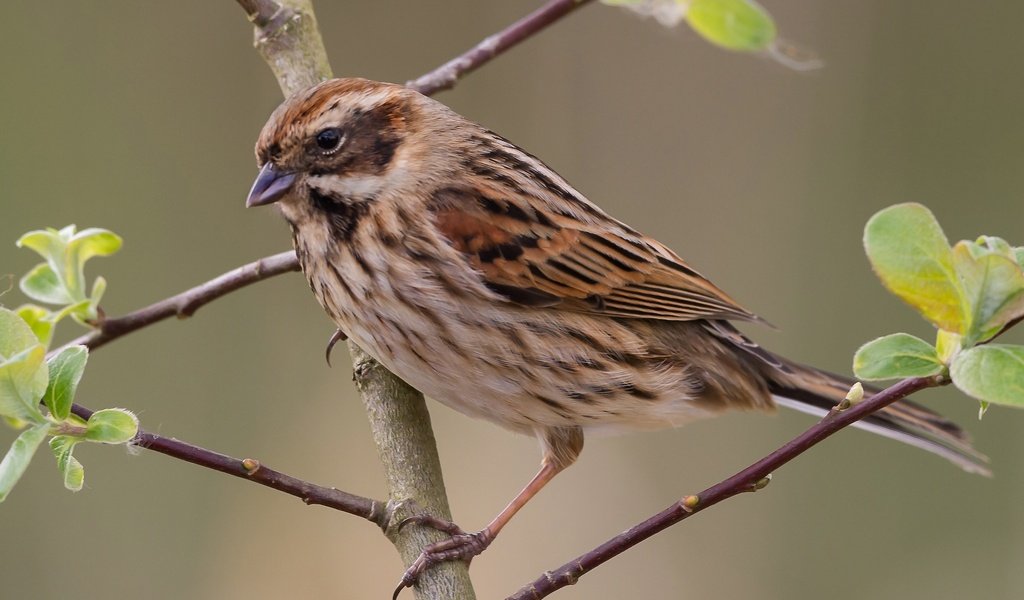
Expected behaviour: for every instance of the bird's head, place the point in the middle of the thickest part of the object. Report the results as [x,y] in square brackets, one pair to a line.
[342,141]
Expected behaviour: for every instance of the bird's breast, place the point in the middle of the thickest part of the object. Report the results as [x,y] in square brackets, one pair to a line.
[431,321]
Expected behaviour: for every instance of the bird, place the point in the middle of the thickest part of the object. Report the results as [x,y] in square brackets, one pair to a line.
[477,274]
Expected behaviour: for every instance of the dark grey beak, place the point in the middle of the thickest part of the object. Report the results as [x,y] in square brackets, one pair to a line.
[270,186]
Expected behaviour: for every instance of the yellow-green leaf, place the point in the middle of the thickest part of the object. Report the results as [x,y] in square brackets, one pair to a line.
[910,254]
[947,344]
[48,243]
[62,447]
[38,321]
[65,372]
[13,466]
[993,288]
[23,379]
[42,285]
[111,426]
[15,334]
[732,24]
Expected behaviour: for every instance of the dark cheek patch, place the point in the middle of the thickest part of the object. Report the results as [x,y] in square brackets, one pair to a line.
[373,138]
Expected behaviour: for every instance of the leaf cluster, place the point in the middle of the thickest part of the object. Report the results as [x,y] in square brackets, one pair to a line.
[971,292]
[36,390]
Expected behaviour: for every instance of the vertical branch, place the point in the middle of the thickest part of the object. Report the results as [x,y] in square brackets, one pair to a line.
[402,432]
[289,40]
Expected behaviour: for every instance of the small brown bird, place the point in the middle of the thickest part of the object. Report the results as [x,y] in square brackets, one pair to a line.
[477,274]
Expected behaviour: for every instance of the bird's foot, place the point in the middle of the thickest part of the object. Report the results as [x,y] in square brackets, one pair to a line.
[460,546]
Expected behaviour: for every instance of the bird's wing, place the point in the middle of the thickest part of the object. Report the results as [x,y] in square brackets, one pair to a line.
[536,247]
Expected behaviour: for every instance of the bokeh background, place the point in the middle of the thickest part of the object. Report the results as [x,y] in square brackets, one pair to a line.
[141,116]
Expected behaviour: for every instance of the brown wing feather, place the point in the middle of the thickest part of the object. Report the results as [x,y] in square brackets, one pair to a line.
[537,252]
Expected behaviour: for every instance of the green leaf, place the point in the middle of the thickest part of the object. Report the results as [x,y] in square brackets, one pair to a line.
[98,288]
[72,470]
[48,243]
[38,321]
[993,287]
[81,247]
[93,242]
[990,244]
[43,285]
[23,379]
[910,254]
[13,466]
[1018,254]
[65,372]
[992,373]
[15,334]
[66,252]
[896,356]
[52,245]
[732,24]
[111,426]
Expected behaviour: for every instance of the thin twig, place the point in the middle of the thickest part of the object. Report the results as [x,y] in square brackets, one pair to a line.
[747,480]
[251,470]
[186,303]
[445,76]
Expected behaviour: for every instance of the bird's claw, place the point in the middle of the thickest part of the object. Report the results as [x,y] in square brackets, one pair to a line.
[432,522]
[337,336]
[460,546]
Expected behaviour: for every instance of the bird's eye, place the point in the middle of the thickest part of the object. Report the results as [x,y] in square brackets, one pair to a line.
[329,140]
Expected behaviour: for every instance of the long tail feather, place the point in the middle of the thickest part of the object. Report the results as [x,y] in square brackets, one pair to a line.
[809,390]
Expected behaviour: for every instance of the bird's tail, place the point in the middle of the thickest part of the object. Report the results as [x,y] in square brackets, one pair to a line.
[812,391]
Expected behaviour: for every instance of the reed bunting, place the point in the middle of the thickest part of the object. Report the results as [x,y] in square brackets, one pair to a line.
[478,275]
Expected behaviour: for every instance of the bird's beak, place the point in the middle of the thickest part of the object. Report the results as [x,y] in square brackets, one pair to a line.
[270,186]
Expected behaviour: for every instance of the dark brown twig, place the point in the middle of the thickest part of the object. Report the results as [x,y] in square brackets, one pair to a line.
[747,480]
[188,302]
[445,76]
[250,469]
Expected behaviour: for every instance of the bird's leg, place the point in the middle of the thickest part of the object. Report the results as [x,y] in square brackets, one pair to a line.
[561,447]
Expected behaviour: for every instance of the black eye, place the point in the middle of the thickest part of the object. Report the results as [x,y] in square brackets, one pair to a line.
[329,140]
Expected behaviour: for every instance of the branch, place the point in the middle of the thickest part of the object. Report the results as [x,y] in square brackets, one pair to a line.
[186,303]
[252,470]
[405,443]
[445,76]
[748,480]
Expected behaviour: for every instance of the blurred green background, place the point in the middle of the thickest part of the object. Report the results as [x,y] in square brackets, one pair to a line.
[141,117]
